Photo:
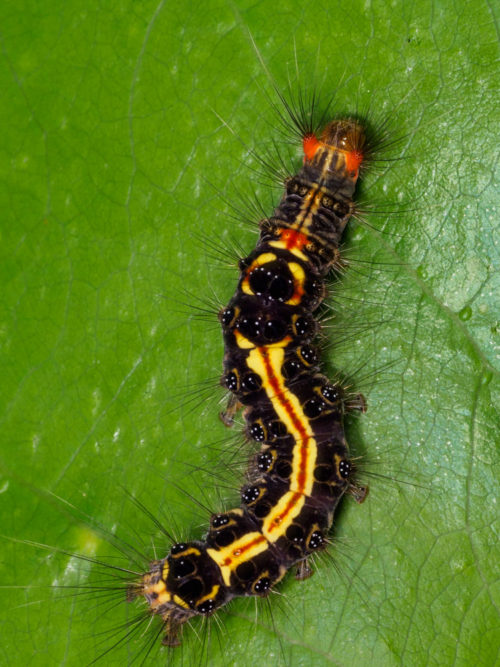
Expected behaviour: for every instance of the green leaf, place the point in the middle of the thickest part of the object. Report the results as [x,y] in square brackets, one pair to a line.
[113,162]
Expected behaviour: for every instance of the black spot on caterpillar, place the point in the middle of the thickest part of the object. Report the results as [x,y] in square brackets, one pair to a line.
[78,374]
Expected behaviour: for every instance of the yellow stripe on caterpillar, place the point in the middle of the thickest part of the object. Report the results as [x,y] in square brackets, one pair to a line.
[228,558]
[282,245]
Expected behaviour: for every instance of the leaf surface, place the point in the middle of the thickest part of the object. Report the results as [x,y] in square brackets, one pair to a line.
[117,178]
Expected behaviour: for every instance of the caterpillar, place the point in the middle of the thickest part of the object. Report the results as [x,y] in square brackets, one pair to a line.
[291,409]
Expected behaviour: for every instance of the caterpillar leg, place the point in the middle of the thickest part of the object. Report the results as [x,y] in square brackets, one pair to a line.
[227,415]
[304,570]
[172,630]
[358,492]
[356,403]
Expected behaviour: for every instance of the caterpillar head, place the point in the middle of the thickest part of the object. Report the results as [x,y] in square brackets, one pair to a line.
[345,137]
[184,584]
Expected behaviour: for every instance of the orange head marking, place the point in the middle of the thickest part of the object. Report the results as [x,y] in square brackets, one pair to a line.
[311,144]
[353,161]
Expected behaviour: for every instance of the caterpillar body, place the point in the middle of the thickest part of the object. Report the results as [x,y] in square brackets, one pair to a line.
[291,409]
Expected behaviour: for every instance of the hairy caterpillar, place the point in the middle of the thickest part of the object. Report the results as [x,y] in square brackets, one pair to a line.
[71,391]
[293,411]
